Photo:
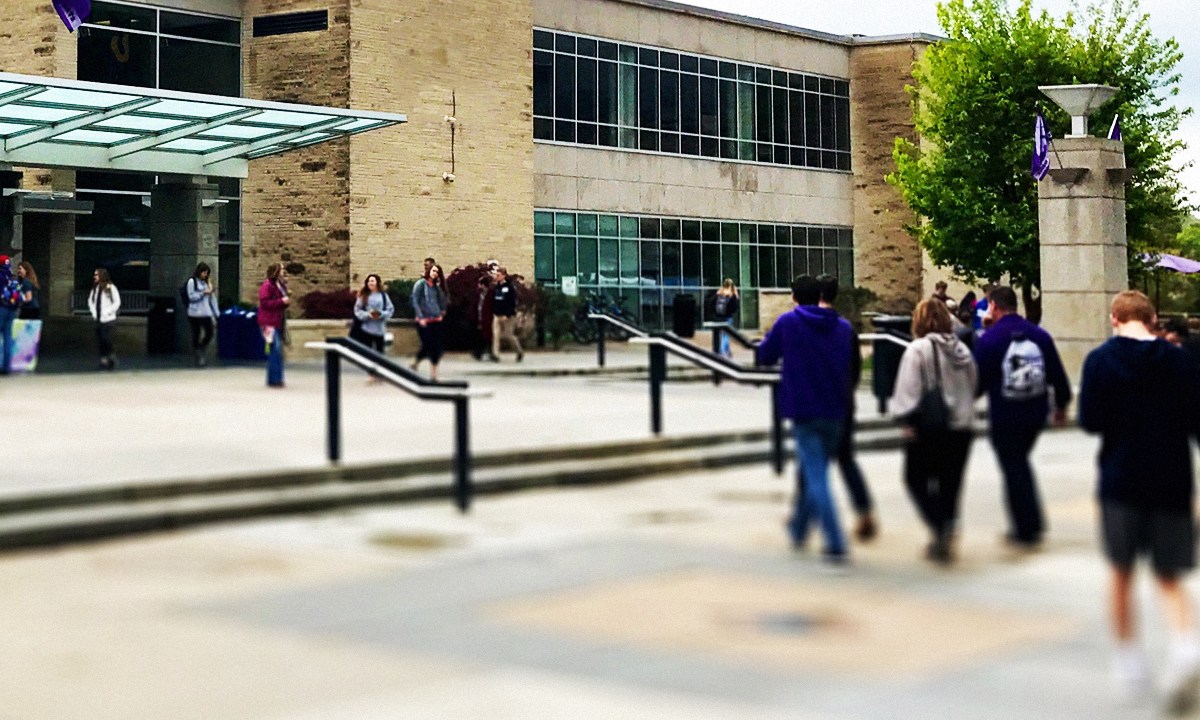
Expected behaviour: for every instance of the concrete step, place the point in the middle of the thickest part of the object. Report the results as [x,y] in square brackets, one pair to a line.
[97,514]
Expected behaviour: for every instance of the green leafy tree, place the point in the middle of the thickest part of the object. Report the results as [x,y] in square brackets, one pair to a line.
[974,101]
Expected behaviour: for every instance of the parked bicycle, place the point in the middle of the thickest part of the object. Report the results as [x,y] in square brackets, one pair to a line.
[583,328]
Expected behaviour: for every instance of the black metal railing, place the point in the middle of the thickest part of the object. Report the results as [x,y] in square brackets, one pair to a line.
[384,368]
[662,343]
[603,318]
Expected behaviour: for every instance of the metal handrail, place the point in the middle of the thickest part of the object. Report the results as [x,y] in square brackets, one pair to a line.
[600,317]
[885,336]
[709,360]
[721,327]
[659,344]
[380,366]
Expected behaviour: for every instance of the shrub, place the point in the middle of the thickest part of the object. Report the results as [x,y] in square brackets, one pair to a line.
[462,285]
[328,304]
[400,292]
[556,313]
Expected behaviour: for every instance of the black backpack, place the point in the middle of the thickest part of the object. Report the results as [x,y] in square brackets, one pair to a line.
[183,293]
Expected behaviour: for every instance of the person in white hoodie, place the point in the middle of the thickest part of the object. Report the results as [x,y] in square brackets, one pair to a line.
[103,304]
[934,459]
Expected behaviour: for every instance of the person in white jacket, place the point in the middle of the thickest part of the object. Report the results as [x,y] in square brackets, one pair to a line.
[934,459]
[103,304]
[202,311]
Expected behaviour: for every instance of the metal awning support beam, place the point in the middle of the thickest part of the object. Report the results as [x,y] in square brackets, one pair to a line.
[132,146]
[29,138]
[18,95]
[247,148]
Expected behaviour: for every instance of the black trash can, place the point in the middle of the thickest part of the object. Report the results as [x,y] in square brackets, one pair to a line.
[683,310]
[160,325]
[886,352]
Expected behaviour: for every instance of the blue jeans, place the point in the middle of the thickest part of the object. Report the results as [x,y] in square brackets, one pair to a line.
[725,337]
[7,315]
[816,441]
[275,361]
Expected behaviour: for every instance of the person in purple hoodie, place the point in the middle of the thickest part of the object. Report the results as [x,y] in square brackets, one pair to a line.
[814,344]
[1018,366]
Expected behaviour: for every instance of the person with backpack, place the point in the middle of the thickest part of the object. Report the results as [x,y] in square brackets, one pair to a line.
[1018,367]
[725,306]
[201,302]
[372,310]
[934,401]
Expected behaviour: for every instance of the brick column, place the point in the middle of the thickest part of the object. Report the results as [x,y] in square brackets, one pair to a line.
[1081,228]
[183,232]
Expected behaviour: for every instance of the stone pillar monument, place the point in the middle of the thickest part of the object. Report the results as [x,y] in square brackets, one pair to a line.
[184,230]
[1081,229]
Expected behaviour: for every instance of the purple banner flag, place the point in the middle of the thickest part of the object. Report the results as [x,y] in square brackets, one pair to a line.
[1114,130]
[1040,163]
[73,12]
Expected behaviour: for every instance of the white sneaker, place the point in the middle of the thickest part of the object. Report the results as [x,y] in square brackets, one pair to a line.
[1182,678]
[1131,675]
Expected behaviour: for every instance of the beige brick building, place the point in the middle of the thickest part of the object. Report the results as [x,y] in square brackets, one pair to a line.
[641,147]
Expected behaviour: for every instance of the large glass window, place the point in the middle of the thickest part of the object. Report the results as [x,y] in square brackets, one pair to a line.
[144,46]
[644,260]
[645,98]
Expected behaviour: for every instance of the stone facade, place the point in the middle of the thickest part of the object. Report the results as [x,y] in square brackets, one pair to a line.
[887,259]
[296,206]
[431,59]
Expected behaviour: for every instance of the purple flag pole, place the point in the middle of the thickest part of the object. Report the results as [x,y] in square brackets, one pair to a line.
[72,12]
[1039,163]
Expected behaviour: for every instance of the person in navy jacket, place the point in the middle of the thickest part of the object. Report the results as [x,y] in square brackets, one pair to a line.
[1017,379]
[814,344]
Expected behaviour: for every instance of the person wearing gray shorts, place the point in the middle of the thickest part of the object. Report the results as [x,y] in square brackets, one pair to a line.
[1142,396]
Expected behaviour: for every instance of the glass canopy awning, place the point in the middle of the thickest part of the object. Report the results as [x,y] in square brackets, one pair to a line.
[51,122]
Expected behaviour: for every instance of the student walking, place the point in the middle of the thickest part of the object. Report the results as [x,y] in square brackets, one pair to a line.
[430,301]
[814,345]
[104,302]
[504,314]
[1142,396]
[935,449]
[372,310]
[1019,366]
[725,306]
[273,302]
[483,319]
[10,305]
[866,526]
[202,311]
[30,308]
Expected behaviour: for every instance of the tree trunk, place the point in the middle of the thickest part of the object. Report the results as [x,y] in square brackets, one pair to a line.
[1031,296]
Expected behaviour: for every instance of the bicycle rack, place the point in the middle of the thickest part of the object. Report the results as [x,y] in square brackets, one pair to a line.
[661,343]
[382,367]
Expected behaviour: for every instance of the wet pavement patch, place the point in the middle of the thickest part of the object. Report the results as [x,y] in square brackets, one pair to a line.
[415,541]
[666,517]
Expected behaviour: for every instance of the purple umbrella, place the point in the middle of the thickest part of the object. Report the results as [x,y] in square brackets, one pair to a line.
[72,12]
[1172,262]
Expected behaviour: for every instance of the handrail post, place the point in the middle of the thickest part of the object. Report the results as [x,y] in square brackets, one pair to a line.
[658,373]
[462,456]
[716,348]
[600,341]
[333,404]
[776,431]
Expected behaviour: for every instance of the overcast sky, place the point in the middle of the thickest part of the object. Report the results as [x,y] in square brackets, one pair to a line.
[1168,18]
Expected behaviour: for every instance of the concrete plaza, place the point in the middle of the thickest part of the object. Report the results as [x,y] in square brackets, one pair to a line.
[675,597]
[669,598]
